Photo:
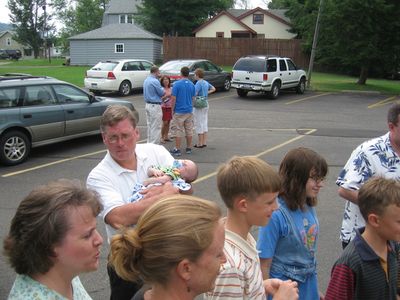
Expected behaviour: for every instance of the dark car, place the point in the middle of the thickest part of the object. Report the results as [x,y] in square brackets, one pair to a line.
[212,73]
[11,54]
[36,111]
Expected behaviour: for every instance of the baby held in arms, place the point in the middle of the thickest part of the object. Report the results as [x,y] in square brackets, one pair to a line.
[182,173]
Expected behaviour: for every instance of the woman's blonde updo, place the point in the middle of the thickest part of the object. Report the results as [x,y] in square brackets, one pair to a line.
[171,230]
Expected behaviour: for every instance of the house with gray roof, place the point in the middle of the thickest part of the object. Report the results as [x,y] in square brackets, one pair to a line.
[117,38]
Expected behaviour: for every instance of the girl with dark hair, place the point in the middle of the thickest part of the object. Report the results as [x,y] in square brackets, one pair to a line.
[287,245]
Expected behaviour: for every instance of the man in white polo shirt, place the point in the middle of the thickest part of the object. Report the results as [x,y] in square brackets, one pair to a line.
[114,178]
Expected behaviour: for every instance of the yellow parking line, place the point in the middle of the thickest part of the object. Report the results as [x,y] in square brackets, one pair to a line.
[306,98]
[310,131]
[198,180]
[54,163]
[383,102]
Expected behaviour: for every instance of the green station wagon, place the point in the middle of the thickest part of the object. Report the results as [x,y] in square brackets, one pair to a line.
[36,111]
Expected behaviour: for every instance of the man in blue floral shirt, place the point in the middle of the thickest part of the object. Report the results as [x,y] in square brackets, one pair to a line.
[377,157]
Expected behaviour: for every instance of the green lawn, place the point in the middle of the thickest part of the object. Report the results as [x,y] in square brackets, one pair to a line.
[42,67]
[325,82]
[322,82]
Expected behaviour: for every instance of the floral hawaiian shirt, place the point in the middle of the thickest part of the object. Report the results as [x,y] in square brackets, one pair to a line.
[375,157]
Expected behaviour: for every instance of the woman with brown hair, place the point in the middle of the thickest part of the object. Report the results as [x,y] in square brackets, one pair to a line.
[288,244]
[166,107]
[176,247]
[52,239]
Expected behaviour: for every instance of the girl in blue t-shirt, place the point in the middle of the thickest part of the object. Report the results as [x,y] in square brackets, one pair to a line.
[287,245]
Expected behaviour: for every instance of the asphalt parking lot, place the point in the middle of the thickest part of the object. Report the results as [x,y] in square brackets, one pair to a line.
[331,124]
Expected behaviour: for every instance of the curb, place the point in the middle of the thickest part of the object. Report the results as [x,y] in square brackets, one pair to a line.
[361,92]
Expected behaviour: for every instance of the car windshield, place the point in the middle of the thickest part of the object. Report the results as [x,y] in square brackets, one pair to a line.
[250,64]
[105,66]
[174,65]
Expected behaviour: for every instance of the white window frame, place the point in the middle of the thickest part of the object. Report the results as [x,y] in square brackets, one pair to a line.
[125,18]
[117,45]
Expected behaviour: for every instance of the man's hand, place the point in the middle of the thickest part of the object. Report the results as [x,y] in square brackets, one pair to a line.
[155,193]
[128,214]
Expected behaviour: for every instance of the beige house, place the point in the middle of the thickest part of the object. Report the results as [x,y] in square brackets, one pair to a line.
[254,23]
[8,43]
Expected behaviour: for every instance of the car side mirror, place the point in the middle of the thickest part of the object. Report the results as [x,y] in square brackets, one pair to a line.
[92,97]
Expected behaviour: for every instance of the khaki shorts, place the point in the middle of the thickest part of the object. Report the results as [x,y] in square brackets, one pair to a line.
[182,125]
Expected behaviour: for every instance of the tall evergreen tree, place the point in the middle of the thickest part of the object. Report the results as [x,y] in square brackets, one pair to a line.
[178,17]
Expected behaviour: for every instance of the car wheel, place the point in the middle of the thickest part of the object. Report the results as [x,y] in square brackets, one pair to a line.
[125,88]
[227,84]
[300,89]
[14,148]
[241,93]
[274,93]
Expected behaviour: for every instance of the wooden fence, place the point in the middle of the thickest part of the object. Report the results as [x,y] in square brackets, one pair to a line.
[225,51]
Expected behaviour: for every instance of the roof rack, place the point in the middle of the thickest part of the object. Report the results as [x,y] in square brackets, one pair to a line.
[22,76]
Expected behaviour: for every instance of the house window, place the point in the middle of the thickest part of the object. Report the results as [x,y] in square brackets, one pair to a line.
[119,48]
[126,19]
[240,34]
[8,41]
[258,19]
[220,34]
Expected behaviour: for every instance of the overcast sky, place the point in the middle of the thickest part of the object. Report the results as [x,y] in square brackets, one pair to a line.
[5,19]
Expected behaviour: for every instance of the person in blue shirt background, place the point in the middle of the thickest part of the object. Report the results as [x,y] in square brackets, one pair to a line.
[183,92]
[152,93]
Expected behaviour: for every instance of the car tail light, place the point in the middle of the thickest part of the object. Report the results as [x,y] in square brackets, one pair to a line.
[110,75]
[265,77]
[175,77]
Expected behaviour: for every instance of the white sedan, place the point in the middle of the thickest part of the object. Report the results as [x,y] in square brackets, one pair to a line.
[119,75]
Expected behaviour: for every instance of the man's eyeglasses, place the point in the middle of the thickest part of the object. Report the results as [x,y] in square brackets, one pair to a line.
[113,139]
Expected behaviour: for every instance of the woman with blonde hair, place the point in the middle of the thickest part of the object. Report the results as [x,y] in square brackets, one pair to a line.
[176,247]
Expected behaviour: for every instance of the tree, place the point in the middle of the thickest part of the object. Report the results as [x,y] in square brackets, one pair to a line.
[357,36]
[179,17]
[29,22]
[78,16]
[361,35]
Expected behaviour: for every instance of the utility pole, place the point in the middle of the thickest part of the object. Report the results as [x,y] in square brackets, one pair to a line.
[314,44]
[45,32]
